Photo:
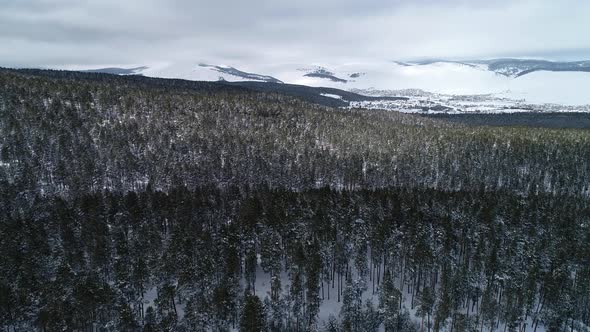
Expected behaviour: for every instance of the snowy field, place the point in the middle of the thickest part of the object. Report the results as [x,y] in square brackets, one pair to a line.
[543,87]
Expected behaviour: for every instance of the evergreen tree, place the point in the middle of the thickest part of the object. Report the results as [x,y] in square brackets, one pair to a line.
[253,318]
[390,304]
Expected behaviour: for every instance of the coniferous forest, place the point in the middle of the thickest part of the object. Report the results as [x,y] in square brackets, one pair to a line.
[138,204]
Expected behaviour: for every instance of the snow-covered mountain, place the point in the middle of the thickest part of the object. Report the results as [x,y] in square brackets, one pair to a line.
[536,81]
[233,72]
[514,67]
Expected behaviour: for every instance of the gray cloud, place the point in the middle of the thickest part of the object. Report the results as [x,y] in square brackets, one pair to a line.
[93,32]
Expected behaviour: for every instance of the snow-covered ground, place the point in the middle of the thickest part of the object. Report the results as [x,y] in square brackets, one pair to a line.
[329,95]
[448,78]
[331,306]
[427,102]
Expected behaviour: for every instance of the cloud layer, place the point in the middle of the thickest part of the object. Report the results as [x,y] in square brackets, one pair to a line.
[49,33]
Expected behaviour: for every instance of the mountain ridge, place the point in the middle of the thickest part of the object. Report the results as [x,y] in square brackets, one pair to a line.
[512,67]
[536,81]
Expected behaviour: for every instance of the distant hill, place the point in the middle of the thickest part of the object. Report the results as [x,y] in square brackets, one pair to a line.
[536,81]
[118,71]
[318,95]
[515,67]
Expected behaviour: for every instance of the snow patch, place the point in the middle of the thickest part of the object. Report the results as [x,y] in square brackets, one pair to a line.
[329,95]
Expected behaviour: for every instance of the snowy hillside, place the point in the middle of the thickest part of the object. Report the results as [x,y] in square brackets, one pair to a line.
[514,67]
[537,82]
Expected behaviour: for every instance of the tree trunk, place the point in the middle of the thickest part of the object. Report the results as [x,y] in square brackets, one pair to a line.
[338,287]
[174,306]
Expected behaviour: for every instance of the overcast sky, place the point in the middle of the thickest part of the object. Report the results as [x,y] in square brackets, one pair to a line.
[46,33]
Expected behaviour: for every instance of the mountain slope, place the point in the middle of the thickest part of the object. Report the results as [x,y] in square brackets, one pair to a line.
[67,123]
[243,75]
[515,67]
[535,81]
[324,96]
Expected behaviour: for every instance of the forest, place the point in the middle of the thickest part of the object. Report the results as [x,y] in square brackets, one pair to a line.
[138,204]
[578,120]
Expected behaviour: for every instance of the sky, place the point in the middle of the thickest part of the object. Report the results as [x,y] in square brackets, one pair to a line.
[57,33]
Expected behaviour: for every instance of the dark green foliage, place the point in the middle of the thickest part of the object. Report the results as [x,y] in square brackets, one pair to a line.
[253,315]
[74,135]
[132,204]
[390,303]
[476,268]
[539,119]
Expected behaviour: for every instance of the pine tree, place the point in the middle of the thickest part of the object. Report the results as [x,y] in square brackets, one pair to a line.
[150,323]
[371,318]
[351,311]
[390,303]
[253,318]
[426,306]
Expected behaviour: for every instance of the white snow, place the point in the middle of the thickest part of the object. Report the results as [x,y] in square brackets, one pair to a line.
[331,307]
[567,88]
[331,95]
